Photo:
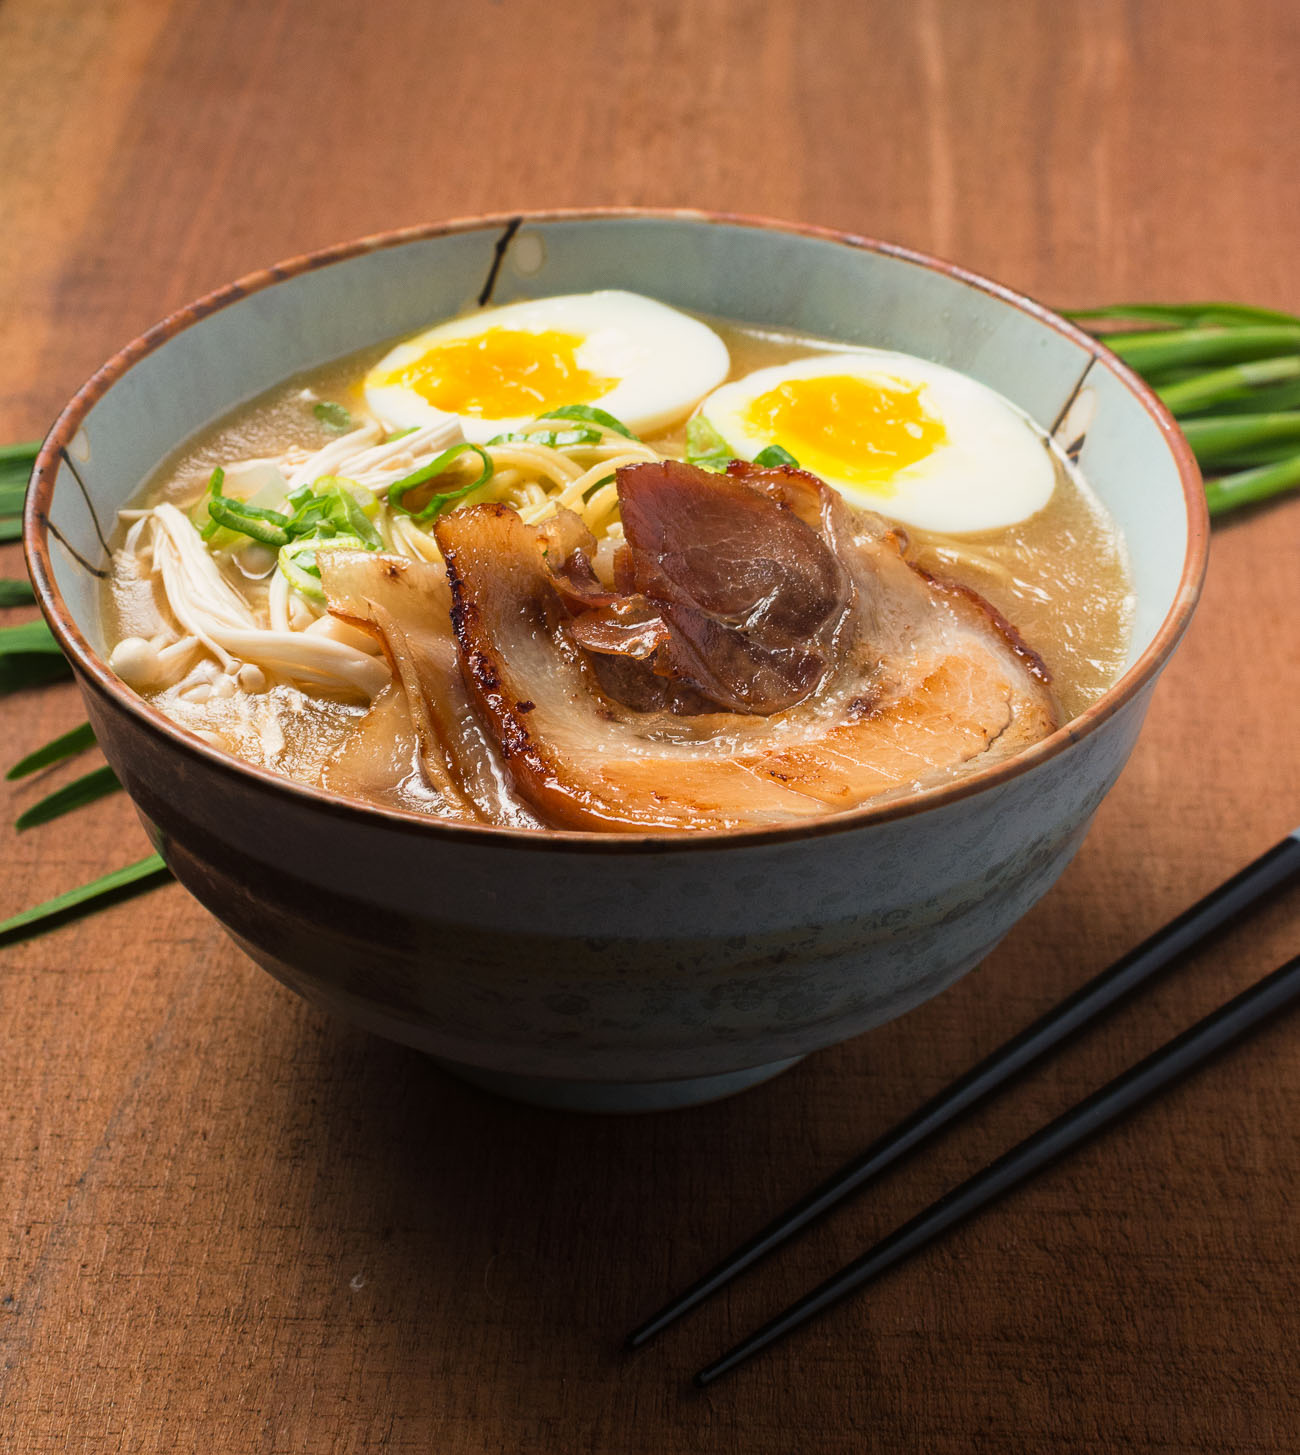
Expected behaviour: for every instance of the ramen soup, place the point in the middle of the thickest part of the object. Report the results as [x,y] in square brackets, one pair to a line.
[590,563]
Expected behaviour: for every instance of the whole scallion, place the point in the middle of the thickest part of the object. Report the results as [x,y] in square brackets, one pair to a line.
[1230,375]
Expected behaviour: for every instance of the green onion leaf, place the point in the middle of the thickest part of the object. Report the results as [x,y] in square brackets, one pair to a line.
[774,456]
[16,592]
[141,875]
[399,489]
[16,463]
[1249,487]
[23,453]
[11,529]
[297,561]
[705,446]
[1155,350]
[592,415]
[78,793]
[334,416]
[27,636]
[556,439]
[1188,315]
[31,669]
[265,526]
[1237,381]
[1216,439]
[68,745]
[398,434]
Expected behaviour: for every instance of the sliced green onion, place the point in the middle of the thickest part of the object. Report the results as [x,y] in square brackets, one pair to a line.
[1157,349]
[555,439]
[16,592]
[335,505]
[297,562]
[1248,487]
[265,526]
[68,745]
[1237,381]
[592,415]
[398,434]
[11,529]
[399,489]
[705,446]
[81,791]
[334,415]
[143,874]
[774,456]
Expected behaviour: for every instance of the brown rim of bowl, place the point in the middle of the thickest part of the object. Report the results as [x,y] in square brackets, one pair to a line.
[97,672]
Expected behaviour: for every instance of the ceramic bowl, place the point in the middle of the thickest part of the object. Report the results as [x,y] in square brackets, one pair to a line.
[581,970]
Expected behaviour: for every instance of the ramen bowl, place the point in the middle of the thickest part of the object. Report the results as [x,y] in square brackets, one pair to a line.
[601,971]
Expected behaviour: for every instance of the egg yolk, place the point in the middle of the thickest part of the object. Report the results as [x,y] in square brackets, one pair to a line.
[503,373]
[860,430]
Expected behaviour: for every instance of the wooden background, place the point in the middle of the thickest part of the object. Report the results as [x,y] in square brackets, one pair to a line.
[230,1225]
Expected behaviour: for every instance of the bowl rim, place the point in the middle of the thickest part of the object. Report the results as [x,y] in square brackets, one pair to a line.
[95,671]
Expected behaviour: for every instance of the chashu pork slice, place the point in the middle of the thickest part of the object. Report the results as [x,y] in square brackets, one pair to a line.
[924,680]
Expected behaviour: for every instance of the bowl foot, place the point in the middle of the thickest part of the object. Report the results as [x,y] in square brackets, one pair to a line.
[615,1096]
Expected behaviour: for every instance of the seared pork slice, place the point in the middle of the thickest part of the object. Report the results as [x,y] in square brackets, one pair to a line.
[406,606]
[921,683]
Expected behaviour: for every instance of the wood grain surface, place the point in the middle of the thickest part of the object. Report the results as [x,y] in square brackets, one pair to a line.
[231,1225]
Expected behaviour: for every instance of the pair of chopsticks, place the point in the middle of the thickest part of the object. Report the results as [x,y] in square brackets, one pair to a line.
[1163,1068]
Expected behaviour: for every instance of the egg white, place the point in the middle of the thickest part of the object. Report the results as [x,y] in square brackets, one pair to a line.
[663,361]
[993,469]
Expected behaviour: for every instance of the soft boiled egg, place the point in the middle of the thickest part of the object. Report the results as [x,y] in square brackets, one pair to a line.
[917,442]
[639,360]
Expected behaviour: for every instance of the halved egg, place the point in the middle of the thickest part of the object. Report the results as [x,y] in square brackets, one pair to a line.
[915,441]
[641,361]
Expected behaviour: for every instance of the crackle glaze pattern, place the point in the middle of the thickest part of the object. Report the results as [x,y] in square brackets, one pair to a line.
[575,969]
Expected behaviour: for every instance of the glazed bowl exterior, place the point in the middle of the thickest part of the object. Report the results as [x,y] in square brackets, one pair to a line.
[612,971]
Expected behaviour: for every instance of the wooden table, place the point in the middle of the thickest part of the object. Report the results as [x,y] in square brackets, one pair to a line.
[231,1225]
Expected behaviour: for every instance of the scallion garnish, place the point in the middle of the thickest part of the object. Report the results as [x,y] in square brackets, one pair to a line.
[143,874]
[334,415]
[592,415]
[555,439]
[773,457]
[705,446]
[81,791]
[269,527]
[442,500]
[67,745]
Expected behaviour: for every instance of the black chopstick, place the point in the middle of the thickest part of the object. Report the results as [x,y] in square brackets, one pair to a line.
[1174,1060]
[1098,995]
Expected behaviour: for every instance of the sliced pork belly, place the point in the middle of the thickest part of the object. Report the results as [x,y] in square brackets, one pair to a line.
[406,605]
[914,681]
